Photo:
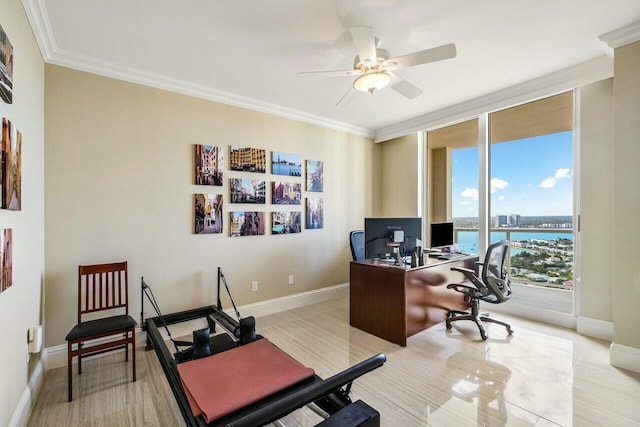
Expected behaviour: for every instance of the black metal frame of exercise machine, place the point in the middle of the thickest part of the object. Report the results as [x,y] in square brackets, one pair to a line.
[330,395]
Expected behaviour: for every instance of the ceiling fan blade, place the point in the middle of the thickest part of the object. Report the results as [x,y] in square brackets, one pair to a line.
[345,96]
[403,87]
[424,56]
[333,73]
[365,43]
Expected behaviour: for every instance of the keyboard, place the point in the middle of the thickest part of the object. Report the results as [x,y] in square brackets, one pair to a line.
[448,256]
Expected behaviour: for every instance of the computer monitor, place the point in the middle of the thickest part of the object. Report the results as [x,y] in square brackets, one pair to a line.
[441,234]
[380,231]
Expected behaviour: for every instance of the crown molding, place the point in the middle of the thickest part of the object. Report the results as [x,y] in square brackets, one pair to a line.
[566,79]
[38,19]
[556,82]
[94,66]
[622,36]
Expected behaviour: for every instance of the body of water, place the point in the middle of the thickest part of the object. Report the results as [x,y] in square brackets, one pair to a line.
[468,240]
[290,170]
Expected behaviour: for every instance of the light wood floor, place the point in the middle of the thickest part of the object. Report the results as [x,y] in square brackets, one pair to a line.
[542,376]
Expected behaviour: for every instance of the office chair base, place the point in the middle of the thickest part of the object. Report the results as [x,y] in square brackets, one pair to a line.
[477,318]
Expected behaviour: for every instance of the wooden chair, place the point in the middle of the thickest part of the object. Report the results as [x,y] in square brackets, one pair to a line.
[101,288]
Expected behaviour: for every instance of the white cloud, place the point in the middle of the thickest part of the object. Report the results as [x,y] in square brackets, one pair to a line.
[550,182]
[471,193]
[562,173]
[465,202]
[498,184]
[501,198]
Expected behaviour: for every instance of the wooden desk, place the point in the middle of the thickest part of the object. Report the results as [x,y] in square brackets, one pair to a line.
[394,303]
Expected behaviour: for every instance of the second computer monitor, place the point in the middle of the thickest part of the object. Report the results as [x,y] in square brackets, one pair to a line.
[441,234]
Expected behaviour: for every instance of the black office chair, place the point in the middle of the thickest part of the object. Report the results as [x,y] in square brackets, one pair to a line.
[494,287]
[356,240]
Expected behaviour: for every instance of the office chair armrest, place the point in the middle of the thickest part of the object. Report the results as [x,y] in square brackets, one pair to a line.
[471,276]
[463,270]
[458,286]
[466,288]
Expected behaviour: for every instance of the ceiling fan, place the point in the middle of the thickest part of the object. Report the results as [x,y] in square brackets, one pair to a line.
[373,66]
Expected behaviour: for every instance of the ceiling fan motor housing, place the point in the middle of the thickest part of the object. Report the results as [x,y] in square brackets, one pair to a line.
[382,55]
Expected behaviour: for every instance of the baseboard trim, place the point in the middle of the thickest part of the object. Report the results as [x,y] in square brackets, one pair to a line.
[289,302]
[549,317]
[56,356]
[28,398]
[623,356]
[595,328]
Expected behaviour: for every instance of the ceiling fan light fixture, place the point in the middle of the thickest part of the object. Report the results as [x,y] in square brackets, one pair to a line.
[372,81]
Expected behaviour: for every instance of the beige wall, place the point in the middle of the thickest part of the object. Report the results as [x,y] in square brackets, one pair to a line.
[626,196]
[119,186]
[21,304]
[398,169]
[596,200]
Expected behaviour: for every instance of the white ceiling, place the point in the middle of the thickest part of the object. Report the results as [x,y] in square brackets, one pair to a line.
[248,52]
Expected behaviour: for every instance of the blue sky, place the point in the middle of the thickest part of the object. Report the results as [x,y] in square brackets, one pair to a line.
[286,157]
[530,177]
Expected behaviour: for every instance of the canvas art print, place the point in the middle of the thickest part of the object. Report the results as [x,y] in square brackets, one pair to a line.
[247,191]
[286,164]
[286,193]
[248,159]
[208,165]
[6,67]
[247,223]
[208,219]
[11,167]
[285,222]
[315,178]
[315,213]
[6,260]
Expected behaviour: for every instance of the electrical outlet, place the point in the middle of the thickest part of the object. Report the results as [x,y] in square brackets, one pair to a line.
[291,279]
[254,286]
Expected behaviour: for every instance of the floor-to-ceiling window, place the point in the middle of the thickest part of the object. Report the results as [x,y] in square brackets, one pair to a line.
[452,182]
[530,194]
[531,200]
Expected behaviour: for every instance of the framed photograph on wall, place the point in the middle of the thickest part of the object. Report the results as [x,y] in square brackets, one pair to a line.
[244,223]
[208,214]
[315,177]
[208,165]
[6,67]
[247,191]
[286,193]
[247,159]
[315,214]
[6,259]
[285,222]
[11,166]
[286,164]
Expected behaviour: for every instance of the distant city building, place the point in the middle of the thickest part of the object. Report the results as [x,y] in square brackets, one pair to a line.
[514,220]
[563,225]
[501,221]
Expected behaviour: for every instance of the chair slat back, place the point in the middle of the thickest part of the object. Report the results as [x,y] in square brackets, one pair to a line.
[102,287]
